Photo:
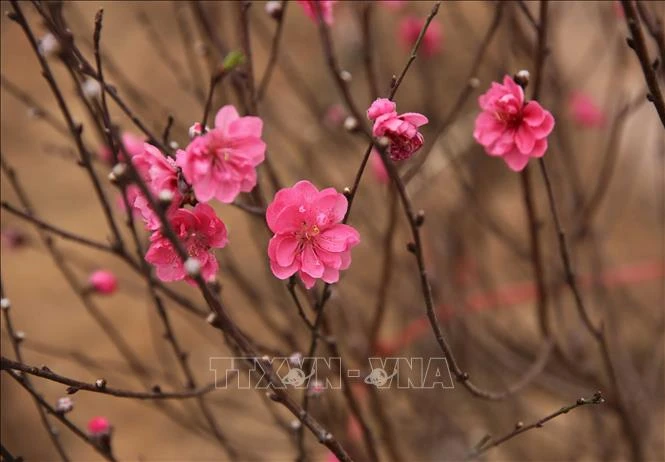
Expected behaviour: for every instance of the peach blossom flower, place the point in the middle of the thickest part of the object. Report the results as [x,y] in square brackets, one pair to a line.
[159,172]
[326,10]
[222,162]
[585,111]
[103,282]
[409,30]
[200,231]
[401,130]
[309,237]
[132,143]
[510,129]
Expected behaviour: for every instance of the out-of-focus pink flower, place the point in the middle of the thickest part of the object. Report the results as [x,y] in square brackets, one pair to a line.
[331,457]
[222,162]
[401,130]
[326,10]
[13,238]
[132,143]
[618,9]
[335,115]
[159,173]
[585,111]
[378,169]
[393,4]
[200,231]
[510,129]
[103,282]
[409,30]
[98,426]
[309,237]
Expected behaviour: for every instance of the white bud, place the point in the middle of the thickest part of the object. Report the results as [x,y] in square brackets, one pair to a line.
[19,335]
[350,123]
[474,82]
[295,359]
[100,383]
[174,145]
[383,141]
[49,45]
[265,358]
[192,267]
[64,405]
[5,304]
[274,9]
[165,196]
[91,88]
[212,318]
[119,170]
[345,76]
[295,424]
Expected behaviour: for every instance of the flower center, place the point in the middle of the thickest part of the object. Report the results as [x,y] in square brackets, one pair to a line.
[312,232]
[510,119]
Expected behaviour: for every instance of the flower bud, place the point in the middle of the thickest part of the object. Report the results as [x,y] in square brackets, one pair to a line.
[103,282]
[98,426]
[350,123]
[274,9]
[522,78]
[192,267]
[316,388]
[49,45]
[91,88]
[5,304]
[345,76]
[64,405]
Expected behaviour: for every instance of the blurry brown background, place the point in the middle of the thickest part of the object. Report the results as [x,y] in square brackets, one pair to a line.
[494,344]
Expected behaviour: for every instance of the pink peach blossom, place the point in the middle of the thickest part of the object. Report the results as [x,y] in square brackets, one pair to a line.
[103,282]
[132,143]
[98,426]
[585,112]
[326,6]
[401,130]
[510,129]
[200,231]
[159,172]
[222,162]
[309,237]
[378,169]
[409,30]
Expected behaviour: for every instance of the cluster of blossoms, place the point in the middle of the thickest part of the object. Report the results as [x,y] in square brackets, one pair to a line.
[311,238]
[218,163]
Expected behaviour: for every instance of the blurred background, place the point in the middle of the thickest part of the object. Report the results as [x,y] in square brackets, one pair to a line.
[606,158]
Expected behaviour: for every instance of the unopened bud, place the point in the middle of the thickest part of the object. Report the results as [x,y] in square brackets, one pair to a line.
[295,424]
[49,45]
[419,219]
[274,9]
[383,141]
[118,173]
[522,78]
[91,88]
[196,130]
[315,388]
[212,319]
[192,267]
[350,123]
[5,304]
[19,336]
[295,359]
[64,405]
[474,82]
[100,383]
[345,76]
[173,145]
[165,196]
[232,60]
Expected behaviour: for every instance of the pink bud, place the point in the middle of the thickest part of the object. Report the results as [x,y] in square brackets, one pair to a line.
[98,426]
[103,282]
[13,238]
[316,388]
